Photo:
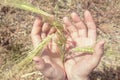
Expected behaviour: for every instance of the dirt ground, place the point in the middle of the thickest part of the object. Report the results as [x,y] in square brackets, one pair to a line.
[16,24]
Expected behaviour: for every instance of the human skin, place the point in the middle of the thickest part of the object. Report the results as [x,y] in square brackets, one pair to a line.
[78,65]
[49,63]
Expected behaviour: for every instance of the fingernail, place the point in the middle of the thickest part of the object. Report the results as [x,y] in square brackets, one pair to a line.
[102,44]
[73,13]
[87,12]
[38,16]
[65,18]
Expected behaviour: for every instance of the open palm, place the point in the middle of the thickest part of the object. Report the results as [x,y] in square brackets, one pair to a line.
[78,65]
[49,63]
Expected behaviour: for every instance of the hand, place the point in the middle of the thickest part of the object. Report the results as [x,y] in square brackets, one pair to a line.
[79,65]
[49,63]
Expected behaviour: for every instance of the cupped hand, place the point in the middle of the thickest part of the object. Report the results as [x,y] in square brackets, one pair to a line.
[49,63]
[79,65]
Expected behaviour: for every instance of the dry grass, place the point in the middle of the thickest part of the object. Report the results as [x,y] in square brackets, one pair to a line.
[15,27]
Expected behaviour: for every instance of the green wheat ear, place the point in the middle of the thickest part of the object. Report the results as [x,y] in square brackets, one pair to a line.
[23,4]
[36,51]
[22,64]
[80,49]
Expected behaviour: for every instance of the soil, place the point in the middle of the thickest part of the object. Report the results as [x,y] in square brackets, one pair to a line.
[16,24]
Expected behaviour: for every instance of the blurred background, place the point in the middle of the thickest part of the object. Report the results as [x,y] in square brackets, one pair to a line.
[16,24]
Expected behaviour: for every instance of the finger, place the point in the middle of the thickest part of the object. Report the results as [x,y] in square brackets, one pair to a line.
[90,25]
[66,21]
[68,25]
[75,17]
[40,63]
[43,35]
[99,51]
[54,44]
[51,31]
[45,30]
[46,27]
[36,30]
[79,24]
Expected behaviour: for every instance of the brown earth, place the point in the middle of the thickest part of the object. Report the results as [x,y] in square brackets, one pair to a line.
[16,24]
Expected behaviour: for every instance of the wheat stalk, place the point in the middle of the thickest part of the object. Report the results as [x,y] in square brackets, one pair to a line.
[22,4]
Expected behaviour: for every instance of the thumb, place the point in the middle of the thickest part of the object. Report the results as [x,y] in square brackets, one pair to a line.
[45,68]
[99,51]
[40,64]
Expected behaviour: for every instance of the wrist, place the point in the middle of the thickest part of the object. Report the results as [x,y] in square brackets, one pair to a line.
[45,78]
[79,78]
[85,78]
